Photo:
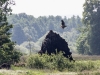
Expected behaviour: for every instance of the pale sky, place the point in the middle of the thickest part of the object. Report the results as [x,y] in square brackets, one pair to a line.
[38,8]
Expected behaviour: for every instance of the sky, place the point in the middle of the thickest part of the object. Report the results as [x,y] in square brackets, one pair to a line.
[38,8]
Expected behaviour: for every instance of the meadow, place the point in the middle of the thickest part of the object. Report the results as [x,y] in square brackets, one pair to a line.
[55,65]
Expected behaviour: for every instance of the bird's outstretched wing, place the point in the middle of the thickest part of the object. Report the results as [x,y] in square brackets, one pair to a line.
[63,24]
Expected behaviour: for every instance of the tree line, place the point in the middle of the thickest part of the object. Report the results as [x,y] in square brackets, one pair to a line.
[27,26]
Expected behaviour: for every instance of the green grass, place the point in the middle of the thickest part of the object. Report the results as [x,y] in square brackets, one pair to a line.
[1,74]
[22,72]
[56,64]
[60,63]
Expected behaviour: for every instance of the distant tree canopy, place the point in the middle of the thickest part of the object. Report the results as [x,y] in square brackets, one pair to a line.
[35,28]
[89,41]
[7,52]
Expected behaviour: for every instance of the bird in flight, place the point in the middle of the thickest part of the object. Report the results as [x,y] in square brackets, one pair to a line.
[63,24]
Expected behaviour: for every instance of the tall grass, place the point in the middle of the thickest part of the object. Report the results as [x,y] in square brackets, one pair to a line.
[59,62]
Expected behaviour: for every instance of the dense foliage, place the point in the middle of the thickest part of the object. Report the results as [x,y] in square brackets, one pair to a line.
[88,42]
[7,52]
[59,62]
[48,62]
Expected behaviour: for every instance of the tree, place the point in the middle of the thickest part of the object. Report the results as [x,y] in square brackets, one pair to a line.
[91,20]
[7,52]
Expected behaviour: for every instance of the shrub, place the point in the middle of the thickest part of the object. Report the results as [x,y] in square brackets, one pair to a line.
[53,61]
[36,61]
[59,62]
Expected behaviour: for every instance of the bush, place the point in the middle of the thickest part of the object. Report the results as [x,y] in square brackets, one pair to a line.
[36,61]
[45,61]
[59,62]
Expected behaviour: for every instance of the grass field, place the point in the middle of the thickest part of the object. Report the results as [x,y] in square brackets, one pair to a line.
[33,72]
[86,57]
[84,65]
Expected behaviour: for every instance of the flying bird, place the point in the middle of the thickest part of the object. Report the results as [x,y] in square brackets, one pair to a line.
[63,24]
